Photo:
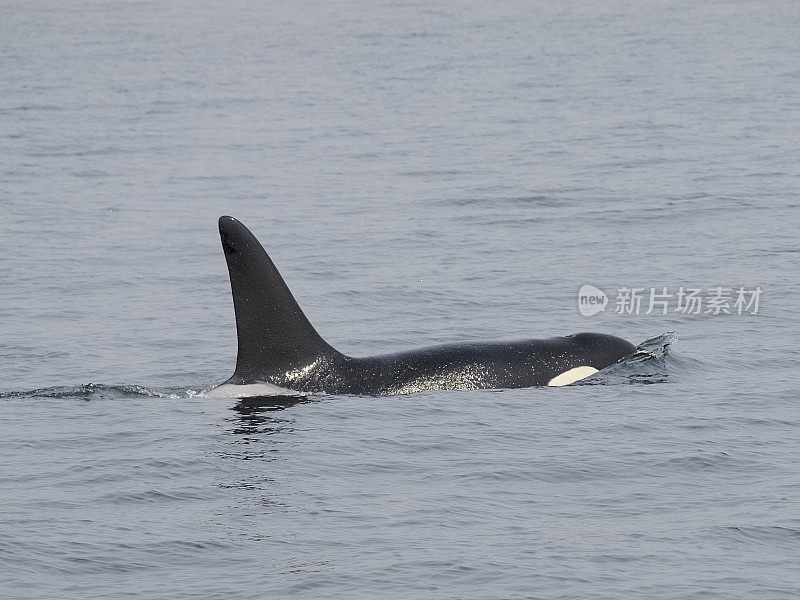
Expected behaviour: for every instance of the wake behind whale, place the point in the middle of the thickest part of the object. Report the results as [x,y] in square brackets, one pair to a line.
[279,350]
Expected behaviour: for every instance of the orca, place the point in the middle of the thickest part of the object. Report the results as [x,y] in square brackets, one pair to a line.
[279,351]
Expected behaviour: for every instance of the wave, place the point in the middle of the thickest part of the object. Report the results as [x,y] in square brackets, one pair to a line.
[90,391]
[651,362]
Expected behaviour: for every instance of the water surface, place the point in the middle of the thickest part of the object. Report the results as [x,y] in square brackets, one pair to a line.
[419,174]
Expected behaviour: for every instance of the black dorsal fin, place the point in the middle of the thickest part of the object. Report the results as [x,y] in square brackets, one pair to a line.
[274,334]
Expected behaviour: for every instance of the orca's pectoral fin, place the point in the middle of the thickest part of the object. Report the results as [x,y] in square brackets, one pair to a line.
[274,334]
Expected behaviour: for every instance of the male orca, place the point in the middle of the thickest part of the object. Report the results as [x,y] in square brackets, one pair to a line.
[280,350]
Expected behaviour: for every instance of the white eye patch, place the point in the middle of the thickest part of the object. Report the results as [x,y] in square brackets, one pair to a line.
[571,376]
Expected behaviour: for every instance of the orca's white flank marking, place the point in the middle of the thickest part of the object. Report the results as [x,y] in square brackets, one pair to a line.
[231,390]
[572,376]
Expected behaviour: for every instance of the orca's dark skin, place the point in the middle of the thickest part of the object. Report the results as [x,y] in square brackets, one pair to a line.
[280,347]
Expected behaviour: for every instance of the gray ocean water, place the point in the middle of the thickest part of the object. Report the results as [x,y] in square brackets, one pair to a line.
[420,173]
